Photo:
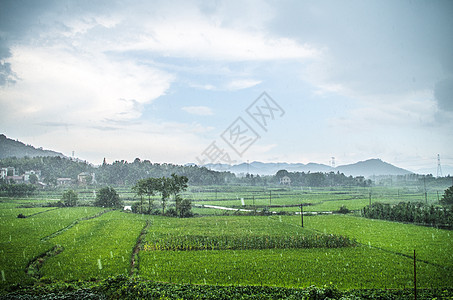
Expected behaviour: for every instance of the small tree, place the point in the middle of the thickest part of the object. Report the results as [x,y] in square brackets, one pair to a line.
[108,197]
[69,198]
[447,198]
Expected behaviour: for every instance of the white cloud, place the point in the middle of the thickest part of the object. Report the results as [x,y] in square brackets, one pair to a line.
[185,32]
[198,110]
[240,84]
[80,88]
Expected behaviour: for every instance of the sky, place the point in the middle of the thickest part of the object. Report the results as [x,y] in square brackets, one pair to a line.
[230,81]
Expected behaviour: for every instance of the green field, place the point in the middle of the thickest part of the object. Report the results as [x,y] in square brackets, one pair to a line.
[222,248]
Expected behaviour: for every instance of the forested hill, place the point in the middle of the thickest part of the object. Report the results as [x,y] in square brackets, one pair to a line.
[119,172]
[12,148]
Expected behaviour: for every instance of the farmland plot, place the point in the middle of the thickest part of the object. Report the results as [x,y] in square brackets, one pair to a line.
[346,267]
[95,248]
[21,239]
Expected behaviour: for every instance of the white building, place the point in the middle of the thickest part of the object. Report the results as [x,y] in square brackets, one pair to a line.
[285,180]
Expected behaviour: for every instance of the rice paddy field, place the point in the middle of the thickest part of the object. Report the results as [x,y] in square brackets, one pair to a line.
[226,247]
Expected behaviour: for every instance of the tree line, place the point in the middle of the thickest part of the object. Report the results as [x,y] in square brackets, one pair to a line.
[319,179]
[419,213]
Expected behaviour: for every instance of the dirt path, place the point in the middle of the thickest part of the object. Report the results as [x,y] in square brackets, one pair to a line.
[52,235]
[134,257]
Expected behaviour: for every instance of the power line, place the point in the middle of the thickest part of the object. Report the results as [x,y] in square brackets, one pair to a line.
[439,167]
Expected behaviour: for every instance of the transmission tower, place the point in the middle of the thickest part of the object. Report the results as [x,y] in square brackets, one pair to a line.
[332,162]
[439,167]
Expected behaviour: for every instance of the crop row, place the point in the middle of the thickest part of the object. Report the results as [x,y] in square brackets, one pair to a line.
[188,243]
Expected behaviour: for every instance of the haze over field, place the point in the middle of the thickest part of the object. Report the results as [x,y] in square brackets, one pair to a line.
[163,80]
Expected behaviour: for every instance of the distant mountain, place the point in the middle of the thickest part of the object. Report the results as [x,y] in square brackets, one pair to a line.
[12,148]
[363,168]
[371,167]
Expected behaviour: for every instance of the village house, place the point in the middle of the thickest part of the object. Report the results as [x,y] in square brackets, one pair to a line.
[9,171]
[86,178]
[27,175]
[9,174]
[64,181]
[285,180]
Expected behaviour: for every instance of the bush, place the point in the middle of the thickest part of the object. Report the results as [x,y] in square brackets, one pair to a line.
[171,212]
[343,210]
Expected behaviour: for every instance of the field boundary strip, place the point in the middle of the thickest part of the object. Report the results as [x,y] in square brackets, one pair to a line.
[40,212]
[36,263]
[134,266]
[60,231]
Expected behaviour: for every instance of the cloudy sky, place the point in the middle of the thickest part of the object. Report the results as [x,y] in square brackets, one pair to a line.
[183,81]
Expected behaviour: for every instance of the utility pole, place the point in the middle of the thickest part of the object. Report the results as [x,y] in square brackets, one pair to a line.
[426,194]
[370,197]
[302,215]
[270,198]
[415,277]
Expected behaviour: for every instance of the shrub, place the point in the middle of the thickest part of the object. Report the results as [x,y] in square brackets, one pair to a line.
[343,210]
